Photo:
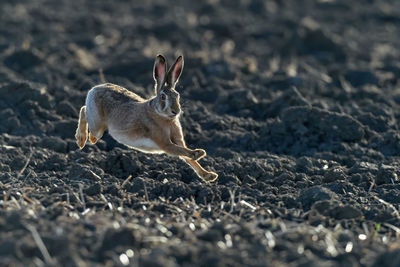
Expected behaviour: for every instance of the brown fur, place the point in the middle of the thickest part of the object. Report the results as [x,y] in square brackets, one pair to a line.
[81,131]
[150,125]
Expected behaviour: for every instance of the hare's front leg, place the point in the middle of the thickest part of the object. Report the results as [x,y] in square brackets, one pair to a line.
[208,176]
[201,172]
[173,149]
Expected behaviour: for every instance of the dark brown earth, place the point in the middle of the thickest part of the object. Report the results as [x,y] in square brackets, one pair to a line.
[295,102]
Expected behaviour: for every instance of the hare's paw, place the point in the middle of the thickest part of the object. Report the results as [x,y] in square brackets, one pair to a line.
[81,140]
[92,139]
[198,154]
[210,177]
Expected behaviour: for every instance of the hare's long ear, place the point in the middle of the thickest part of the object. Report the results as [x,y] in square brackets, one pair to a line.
[175,72]
[159,72]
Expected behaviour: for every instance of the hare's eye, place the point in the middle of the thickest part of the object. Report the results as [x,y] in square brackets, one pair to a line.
[163,97]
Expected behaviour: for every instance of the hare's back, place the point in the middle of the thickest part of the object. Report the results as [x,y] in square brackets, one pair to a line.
[110,101]
[112,93]
[108,97]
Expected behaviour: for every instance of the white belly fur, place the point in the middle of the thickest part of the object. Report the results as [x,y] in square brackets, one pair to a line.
[142,144]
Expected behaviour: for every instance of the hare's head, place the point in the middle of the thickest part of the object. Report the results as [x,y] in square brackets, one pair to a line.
[167,99]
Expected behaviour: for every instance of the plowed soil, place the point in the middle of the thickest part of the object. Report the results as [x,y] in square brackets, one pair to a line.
[295,102]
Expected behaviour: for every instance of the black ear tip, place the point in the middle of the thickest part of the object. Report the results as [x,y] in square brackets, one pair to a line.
[160,58]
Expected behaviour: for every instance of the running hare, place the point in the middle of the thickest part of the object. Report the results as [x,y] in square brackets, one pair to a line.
[148,125]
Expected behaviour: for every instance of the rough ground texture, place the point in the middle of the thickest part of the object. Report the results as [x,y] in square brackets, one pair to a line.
[296,103]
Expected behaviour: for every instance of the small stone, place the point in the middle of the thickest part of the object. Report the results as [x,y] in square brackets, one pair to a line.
[82,172]
[13,123]
[226,179]
[345,212]
[54,143]
[334,174]
[118,237]
[211,235]
[65,127]
[65,108]
[388,258]
[310,195]
[323,206]
[94,189]
[386,175]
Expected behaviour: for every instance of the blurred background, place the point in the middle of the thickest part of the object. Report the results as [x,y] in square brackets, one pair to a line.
[45,40]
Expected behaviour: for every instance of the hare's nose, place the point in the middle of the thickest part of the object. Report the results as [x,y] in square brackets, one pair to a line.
[174,112]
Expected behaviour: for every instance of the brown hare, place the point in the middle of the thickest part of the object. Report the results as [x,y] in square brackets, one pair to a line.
[148,125]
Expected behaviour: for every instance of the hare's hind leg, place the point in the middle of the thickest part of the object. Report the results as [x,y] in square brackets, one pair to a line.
[82,130]
[96,131]
[97,134]
[92,139]
[94,119]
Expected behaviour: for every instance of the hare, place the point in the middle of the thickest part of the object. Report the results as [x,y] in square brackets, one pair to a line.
[148,125]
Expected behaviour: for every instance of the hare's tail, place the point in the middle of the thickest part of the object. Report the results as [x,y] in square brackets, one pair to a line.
[81,134]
